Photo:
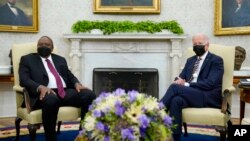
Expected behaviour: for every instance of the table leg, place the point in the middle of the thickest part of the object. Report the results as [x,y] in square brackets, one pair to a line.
[242,110]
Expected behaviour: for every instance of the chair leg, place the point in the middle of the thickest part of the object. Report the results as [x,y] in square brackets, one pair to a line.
[223,132]
[223,136]
[185,129]
[59,127]
[80,126]
[32,131]
[17,124]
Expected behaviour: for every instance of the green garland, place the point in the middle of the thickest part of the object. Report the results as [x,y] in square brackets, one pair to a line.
[109,27]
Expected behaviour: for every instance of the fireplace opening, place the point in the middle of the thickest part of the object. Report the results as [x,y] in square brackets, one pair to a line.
[144,80]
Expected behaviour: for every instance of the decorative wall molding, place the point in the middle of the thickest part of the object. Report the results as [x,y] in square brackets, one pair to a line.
[125,42]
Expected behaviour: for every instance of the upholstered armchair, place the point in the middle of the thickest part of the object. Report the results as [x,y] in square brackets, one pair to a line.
[33,117]
[219,118]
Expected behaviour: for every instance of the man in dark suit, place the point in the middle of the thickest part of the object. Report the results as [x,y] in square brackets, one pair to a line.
[12,15]
[235,13]
[198,85]
[44,90]
[241,14]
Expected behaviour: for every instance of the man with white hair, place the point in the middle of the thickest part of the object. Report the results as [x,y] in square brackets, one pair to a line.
[198,85]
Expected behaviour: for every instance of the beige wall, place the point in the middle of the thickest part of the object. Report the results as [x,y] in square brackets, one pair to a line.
[57,16]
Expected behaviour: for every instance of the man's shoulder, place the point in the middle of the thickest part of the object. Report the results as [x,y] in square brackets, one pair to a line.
[209,55]
[30,55]
[192,57]
[20,10]
[57,56]
[3,7]
[214,55]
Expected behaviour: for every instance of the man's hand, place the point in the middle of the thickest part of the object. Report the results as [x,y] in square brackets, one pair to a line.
[79,86]
[180,81]
[44,90]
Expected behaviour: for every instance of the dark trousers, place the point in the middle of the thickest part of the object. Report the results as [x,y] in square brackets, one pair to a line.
[178,97]
[51,103]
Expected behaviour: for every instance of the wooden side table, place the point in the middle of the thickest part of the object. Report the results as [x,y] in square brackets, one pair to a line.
[237,78]
[7,78]
[244,98]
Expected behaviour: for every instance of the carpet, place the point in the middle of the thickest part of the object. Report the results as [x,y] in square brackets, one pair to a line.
[69,132]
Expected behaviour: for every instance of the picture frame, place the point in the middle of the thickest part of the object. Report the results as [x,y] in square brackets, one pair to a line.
[230,21]
[24,17]
[127,6]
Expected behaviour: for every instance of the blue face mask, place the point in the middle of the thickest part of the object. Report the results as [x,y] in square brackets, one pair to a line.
[44,51]
[199,49]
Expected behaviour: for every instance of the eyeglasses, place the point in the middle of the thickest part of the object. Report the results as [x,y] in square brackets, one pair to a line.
[200,44]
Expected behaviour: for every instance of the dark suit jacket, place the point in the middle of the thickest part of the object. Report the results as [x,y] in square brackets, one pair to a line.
[242,17]
[209,79]
[7,17]
[32,73]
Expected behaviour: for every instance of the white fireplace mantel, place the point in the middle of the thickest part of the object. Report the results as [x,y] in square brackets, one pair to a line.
[132,45]
[162,51]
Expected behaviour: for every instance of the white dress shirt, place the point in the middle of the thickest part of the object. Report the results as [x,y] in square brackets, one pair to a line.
[238,8]
[197,72]
[52,80]
[13,9]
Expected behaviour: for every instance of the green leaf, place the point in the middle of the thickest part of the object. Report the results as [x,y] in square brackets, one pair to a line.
[109,27]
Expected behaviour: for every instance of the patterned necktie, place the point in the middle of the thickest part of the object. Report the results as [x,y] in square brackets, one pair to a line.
[195,68]
[238,8]
[59,83]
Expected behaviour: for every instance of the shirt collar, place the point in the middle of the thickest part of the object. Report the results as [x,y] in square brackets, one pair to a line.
[44,59]
[10,5]
[203,56]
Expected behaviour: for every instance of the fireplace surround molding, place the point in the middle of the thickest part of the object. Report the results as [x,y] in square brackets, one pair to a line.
[166,43]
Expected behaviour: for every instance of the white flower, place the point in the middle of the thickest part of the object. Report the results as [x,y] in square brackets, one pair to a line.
[89,123]
[150,104]
[134,112]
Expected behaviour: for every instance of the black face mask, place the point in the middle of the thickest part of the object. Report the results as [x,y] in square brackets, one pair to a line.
[44,51]
[199,49]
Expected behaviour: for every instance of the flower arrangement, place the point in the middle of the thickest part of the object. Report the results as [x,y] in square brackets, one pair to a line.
[128,116]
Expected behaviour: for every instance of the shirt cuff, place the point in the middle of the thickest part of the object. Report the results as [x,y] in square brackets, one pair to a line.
[37,89]
[186,84]
[78,83]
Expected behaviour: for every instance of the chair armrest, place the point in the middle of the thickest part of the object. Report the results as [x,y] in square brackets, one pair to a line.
[226,94]
[18,88]
[27,100]
[25,93]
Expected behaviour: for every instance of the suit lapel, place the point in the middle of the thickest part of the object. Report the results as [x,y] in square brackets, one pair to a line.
[56,63]
[206,61]
[190,68]
[40,65]
[193,62]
